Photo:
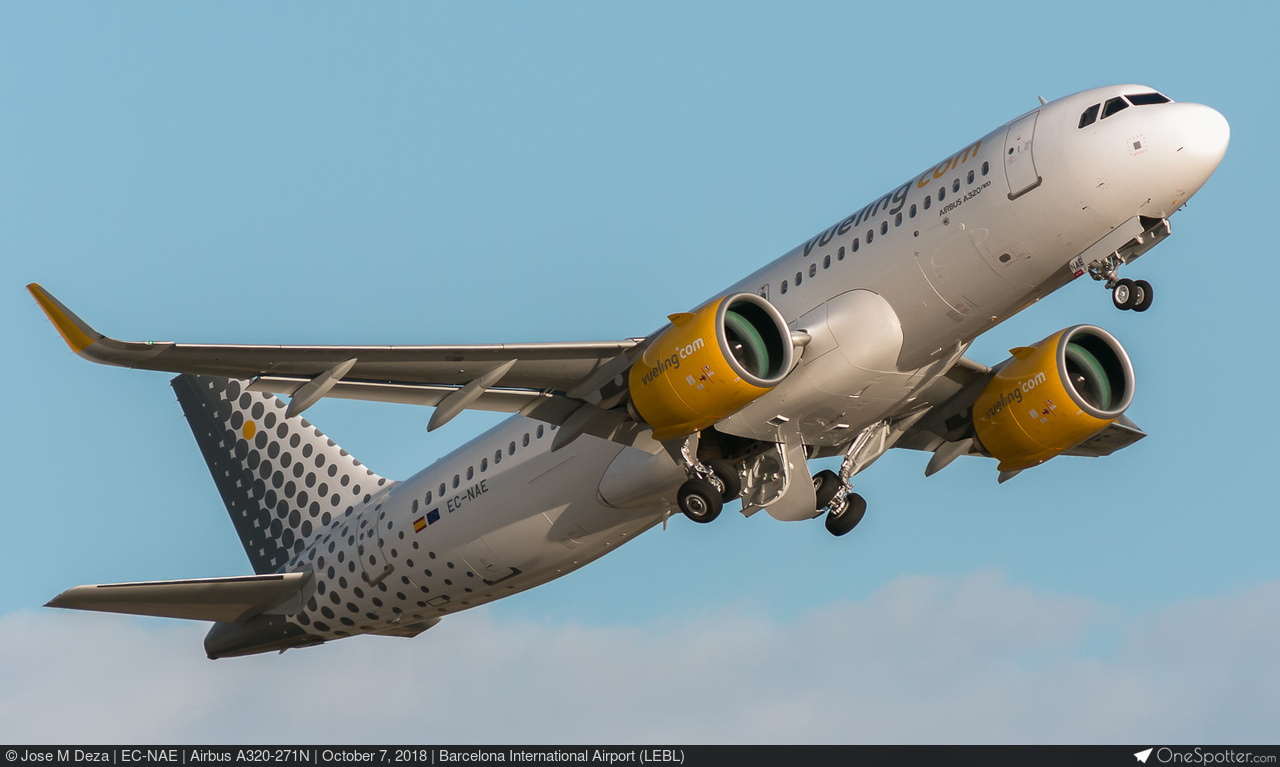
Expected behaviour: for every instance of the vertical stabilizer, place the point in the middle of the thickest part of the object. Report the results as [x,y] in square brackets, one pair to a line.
[280,478]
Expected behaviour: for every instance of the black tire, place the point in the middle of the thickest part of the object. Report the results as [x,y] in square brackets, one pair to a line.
[699,500]
[848,519]
[1124,294]
[1145,295]
[826,486]
[728,476]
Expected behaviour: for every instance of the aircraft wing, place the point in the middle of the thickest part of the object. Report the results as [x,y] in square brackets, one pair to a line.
[499,377]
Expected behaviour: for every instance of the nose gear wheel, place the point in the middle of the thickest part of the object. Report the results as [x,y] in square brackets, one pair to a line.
[1126,294]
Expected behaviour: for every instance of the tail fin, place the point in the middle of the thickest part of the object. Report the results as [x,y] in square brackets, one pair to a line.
[281,479]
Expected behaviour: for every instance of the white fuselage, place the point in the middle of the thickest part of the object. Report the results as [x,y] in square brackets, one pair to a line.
[890,295]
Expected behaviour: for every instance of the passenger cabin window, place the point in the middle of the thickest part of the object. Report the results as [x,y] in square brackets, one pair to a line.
[1145,99]
[784,286]
[1114,105]
[986,167]
[855,244]
[969,178]
[813,268]
[826,260]
[928,200]
[840,255]
[1090,115]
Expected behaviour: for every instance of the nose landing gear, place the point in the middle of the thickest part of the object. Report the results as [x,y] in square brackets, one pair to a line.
[1132,294]
[1123,245]
[1125,294]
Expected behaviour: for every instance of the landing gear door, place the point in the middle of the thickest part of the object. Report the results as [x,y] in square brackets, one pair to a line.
[1019,162]
[781,484]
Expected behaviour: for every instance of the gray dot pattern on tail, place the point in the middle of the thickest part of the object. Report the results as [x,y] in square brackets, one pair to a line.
[282,480]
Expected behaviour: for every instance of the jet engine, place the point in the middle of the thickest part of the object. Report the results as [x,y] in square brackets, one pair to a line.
[1052,396]
[709,364]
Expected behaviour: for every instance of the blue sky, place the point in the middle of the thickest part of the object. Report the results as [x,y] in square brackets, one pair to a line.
[427,173]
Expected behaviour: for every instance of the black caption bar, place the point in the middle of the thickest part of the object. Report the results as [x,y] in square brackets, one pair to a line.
[655,756]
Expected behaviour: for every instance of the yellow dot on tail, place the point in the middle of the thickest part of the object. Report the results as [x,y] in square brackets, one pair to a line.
[249,429]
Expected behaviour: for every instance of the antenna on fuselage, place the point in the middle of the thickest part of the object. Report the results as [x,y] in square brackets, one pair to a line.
[1042,101]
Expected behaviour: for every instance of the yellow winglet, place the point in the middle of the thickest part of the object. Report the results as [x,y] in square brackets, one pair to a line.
[73,330]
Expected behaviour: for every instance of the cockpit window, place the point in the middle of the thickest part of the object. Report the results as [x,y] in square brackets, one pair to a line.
[1114,105]
[1143,99]
[1090,115]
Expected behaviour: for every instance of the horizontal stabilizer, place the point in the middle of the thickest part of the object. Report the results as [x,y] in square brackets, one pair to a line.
[228,600]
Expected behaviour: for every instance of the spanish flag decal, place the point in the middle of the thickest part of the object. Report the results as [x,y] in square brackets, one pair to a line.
[419,524]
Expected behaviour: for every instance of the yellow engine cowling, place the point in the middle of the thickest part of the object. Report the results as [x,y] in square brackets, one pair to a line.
[709,364]
[1052,396]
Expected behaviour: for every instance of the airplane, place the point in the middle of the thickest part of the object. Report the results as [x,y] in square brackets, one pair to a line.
[849,345]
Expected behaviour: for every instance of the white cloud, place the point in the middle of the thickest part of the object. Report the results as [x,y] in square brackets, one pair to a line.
[925,659]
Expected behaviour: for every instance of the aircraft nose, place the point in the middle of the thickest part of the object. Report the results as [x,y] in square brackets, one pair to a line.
[1203,135]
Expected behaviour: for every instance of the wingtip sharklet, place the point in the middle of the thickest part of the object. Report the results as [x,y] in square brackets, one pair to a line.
[75,331]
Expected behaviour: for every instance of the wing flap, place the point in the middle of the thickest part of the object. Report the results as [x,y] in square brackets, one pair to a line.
[494,400]
[225,600]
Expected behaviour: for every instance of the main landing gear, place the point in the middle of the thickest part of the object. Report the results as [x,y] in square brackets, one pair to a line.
[700,500]
[1125,294]
[844,510]
[711,484]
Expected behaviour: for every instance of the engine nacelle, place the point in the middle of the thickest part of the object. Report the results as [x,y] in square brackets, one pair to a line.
[1052,396]
[709,364]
